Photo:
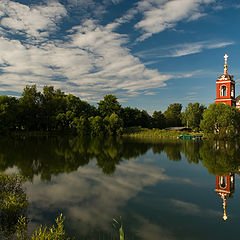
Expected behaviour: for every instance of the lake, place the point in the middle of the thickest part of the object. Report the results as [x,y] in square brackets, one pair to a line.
[162,189]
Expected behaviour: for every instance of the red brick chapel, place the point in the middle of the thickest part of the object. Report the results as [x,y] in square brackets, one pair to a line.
[225,86]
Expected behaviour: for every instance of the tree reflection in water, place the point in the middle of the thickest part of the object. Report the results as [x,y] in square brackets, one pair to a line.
[50,156]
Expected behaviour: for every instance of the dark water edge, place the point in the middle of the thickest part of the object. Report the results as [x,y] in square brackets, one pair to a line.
[160,187]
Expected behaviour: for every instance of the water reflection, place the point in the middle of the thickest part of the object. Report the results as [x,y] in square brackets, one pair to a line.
[225,186]
[72,169]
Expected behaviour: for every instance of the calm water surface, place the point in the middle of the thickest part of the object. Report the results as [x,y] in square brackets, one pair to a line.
[163,189]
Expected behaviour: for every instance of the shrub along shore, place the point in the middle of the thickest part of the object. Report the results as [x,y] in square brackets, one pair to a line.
[53,112]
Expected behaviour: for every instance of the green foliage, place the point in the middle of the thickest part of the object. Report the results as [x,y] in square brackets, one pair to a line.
[109,105]
[13,202]
[82,125]
[134,117]
[21,228]
[159,120]
[173,115]
[220,157]
[145,119]
[53,233]
[96,126]
[221,120]
[29,108]
[42,232]
[8,113]
[193,115]
[12,196]
[54,111]
[118,225]
[130,116]
[138,132]
[113,124]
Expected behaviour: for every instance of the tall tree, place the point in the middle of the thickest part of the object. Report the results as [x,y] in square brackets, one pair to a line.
[221,120]
[109,105]
[173,115]
[131,116]
[8,113]
[159,120]
[113,124]
[193,115]
[30,108]
[53,104]
[96,126]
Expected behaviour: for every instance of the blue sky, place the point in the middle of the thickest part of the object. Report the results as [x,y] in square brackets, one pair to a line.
[149,53]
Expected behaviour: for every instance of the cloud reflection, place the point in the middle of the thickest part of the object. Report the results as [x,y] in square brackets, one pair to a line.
[89,197]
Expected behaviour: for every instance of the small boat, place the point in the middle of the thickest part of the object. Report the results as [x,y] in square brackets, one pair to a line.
[191,137]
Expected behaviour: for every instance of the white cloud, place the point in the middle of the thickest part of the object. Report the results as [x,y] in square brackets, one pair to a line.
[148,230]
[89,197]
[191,48]
[192,209]
[91,62]
[182,49]
[35,21]
[161,15]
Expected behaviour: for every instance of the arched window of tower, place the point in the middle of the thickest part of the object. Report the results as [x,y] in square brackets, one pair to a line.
[223,91]
[222,182]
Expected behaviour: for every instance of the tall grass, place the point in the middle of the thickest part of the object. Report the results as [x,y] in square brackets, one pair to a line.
[137,132]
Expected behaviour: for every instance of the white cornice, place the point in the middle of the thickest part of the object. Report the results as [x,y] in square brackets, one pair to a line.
[225,99]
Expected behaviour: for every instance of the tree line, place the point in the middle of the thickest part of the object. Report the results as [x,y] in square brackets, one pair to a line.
[53,110]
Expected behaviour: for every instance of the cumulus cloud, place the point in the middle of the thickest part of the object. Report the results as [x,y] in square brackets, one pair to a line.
[161,15]
[89,197]
[90,62]
[35,22]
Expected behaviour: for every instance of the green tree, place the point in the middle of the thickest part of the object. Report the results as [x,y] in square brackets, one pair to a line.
[131,116]
[82,125]
[79,107]
[173,115]
[29,105]
[145,120]
[96,126]
[113,124]
[53,104]
[221,120]
[13,203]
[220,157]
[159,120]
[109,105]
[8,113]
[193,115]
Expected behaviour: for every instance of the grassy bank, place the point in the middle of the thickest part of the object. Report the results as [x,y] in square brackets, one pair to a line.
[138,132]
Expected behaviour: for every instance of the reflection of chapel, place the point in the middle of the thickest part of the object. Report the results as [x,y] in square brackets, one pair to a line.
[226,88]
[225,189]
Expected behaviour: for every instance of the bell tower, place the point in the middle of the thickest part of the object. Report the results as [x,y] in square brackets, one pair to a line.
[225,189]
[226,87]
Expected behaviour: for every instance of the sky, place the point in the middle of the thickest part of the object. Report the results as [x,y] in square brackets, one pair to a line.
[149,53]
